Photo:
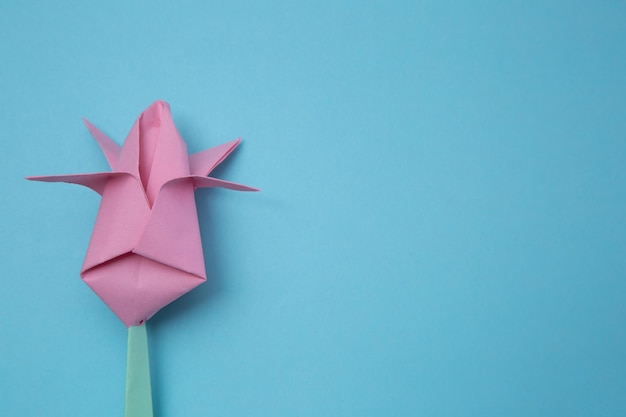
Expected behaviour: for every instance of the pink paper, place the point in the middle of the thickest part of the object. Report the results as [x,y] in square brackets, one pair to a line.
[145,250]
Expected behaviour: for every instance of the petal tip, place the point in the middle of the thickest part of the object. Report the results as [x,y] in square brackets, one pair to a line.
[159,105]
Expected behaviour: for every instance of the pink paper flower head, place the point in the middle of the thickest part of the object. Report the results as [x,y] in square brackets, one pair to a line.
[145,250]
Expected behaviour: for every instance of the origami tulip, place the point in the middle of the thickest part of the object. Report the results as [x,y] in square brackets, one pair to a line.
[145,250]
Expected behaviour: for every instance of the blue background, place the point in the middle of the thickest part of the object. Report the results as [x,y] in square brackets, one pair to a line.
[441,230]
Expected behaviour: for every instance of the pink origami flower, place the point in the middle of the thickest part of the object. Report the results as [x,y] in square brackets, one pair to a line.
[145,250]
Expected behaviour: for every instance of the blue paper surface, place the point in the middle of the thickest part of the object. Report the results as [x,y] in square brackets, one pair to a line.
[441,230]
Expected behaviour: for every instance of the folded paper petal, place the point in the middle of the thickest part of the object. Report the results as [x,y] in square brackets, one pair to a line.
[172,234]
[96,181]
[135,288]
[121,219]
[209,182]
[110,149]
[202,163]
[167,157]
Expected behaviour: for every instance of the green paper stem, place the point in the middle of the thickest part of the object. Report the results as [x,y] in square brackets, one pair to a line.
[138,391]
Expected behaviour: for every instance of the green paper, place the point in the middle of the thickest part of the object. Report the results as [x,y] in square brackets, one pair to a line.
[138,391]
